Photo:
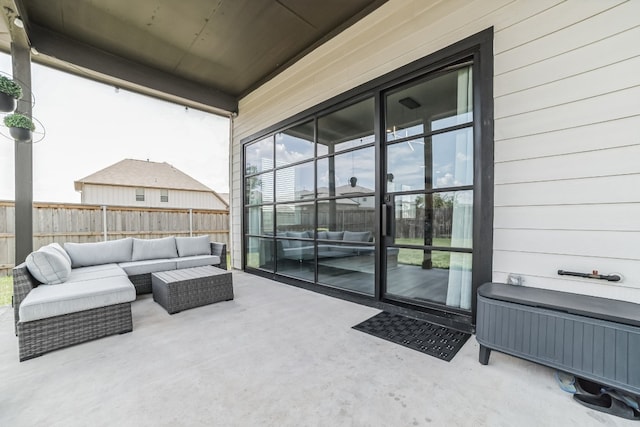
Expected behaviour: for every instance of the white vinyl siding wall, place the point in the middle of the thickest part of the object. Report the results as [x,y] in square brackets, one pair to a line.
[567,151]
[126,196]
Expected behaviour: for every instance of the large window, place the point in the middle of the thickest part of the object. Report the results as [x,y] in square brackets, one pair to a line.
[309,200]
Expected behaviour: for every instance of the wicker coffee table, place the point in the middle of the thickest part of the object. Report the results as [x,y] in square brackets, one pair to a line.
[178,290]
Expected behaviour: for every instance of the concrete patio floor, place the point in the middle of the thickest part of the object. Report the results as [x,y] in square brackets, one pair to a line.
[275,356]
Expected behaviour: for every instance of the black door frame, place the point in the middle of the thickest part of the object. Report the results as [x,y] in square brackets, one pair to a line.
[479,48]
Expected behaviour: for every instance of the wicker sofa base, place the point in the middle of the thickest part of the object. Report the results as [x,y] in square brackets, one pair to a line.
[41,336]
[142,283]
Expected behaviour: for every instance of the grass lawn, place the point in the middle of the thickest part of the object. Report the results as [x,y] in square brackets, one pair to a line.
[6,290]
[415,256]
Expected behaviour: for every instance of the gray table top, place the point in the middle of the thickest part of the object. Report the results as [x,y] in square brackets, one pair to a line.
[189,273]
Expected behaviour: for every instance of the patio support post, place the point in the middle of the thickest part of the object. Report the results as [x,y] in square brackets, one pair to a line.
[104,222]
[21,59]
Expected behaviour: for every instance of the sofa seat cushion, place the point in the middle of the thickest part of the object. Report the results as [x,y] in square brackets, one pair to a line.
[96,272]
[112,251]
[299,253]
[197,261]
[134,268]
[47,301]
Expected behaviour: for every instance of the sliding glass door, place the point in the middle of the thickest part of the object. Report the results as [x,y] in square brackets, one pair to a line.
[428,191]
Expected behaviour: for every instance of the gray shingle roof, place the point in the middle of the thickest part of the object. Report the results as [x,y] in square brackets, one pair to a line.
[141,173]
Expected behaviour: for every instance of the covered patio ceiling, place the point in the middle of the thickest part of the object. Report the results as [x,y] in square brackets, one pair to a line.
[200,53]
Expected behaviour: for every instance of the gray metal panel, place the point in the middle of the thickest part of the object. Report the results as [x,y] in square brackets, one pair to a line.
[603,351]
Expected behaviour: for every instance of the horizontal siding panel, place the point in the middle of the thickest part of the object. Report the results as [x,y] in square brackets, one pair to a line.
[547,266]
[615,189]
[625,17]
[396,40]
[600,244]
[603,135]
[613,161]
[609,217]
[600,289]
[609,50]
[612,106]
[549,21]
[601,81]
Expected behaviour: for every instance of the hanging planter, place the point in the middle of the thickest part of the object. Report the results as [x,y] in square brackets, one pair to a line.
[9,92]
[20,127]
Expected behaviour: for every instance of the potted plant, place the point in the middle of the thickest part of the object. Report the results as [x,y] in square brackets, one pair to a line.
[9,92]
[20,126]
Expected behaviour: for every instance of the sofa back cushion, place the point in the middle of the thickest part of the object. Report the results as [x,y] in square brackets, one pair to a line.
[47,265]
[335,235]
[192,246]
[154,248]
[357,236]
[112,251]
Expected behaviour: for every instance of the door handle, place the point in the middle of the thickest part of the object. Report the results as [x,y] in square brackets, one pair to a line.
[384,220]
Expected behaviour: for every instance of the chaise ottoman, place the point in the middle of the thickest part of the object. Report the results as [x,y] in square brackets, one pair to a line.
[178,290]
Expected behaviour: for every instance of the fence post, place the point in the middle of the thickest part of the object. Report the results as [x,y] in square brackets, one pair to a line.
[104,222]
[190,222]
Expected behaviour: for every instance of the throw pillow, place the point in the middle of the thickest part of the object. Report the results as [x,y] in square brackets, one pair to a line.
[59,248]
[48,266]
[192,246]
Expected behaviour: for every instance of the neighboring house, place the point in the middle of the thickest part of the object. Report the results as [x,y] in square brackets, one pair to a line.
[143,183]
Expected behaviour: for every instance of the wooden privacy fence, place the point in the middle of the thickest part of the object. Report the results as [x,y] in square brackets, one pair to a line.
[64,222]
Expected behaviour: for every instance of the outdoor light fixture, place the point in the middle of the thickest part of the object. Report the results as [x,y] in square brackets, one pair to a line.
[410,103]
[18,22]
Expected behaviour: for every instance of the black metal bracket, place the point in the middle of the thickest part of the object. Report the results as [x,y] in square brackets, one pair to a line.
[593,275]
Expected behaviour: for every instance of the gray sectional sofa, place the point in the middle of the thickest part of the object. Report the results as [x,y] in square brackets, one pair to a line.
[333,248]
[66,296]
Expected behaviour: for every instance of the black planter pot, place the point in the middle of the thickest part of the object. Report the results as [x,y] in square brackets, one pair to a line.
[20,134]
[7,102]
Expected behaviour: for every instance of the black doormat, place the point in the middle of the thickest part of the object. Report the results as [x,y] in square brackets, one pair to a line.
[429,338]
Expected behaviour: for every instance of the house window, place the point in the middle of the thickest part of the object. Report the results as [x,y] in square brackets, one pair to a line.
[139,194]
[164,195]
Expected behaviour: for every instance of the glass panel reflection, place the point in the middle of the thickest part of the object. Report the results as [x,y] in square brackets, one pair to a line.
[296,257]
[294,144]
[259,189]
[295,182]
[430,105]
[259,220]
[260,253]
[347,174]
[433,276]
[347,266]
[443,160]
[346,128]
[349,219]
[258,156]
[296,217]
[438,219]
